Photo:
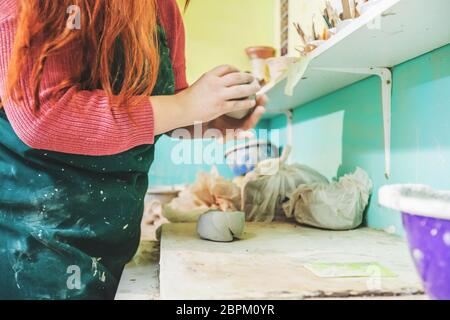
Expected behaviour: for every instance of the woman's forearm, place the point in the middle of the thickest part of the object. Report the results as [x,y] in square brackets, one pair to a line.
[169,113]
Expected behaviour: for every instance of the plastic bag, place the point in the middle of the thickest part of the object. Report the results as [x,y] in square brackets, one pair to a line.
[215,192]
[335,206]
[209,192]
[185,208]
[266,188]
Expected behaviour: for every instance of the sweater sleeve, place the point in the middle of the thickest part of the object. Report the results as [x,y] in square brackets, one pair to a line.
[77,122]
[172,22]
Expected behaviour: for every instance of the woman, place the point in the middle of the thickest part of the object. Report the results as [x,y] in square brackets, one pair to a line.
[85,96]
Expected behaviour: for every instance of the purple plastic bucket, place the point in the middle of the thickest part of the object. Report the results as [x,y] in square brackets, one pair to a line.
[429,242]
[426,218]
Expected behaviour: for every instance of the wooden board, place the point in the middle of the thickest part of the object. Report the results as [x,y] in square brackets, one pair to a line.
[268,264]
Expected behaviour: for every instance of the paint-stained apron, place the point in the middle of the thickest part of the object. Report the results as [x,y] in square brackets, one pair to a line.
[69,223]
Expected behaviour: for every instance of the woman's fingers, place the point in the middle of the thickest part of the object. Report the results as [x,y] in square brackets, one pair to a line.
[225,123]
[223,70]
[237,85]
[237,78]
[262,100]
[252,120]
[237,105]
[242,91]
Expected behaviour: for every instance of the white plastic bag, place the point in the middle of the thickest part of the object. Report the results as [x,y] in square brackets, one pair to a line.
[266,188]
[335,206]
[209,192]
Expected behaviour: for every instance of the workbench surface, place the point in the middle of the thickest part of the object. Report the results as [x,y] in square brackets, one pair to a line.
[140,279]
[268,263]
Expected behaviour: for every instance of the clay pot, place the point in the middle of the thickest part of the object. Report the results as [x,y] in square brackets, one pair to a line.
[260,52]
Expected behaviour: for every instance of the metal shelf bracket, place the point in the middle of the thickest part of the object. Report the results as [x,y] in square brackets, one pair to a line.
[385,75]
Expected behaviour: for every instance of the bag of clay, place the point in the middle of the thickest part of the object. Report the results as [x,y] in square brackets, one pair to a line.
[185,208]
[335,206]
[210,191]
[266,188]
[216,192]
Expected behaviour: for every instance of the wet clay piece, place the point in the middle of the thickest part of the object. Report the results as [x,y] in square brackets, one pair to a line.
[221,226]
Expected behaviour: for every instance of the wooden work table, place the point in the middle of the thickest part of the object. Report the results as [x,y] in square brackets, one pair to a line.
[268,263]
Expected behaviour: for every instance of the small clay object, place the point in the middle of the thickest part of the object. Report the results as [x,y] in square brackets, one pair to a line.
[221,226]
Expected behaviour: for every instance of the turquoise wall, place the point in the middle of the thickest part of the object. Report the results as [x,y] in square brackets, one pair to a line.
[340,131]
[343,130]
[167,170]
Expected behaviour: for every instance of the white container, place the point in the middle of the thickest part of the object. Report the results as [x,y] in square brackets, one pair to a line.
[343,24]
[259,68]
[366,6]
[317,43]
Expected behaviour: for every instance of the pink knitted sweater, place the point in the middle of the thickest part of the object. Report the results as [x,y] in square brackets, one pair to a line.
[82,122]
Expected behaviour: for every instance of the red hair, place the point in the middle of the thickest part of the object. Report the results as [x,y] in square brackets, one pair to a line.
[102,22]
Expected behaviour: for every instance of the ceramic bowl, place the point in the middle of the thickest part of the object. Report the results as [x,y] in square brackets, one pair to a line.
[243,158]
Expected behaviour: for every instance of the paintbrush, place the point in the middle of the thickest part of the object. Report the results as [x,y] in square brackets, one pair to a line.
[334,19]
[327,19]
[301,33]
[316,37]
[325,34]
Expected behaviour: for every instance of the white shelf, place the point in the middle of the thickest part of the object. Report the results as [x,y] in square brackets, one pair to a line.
[407,29]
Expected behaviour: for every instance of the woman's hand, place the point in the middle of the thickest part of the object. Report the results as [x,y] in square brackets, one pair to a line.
[222,90]
[225,123]
[218,92]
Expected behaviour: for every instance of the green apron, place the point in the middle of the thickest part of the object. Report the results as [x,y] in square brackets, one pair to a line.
[69,223]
